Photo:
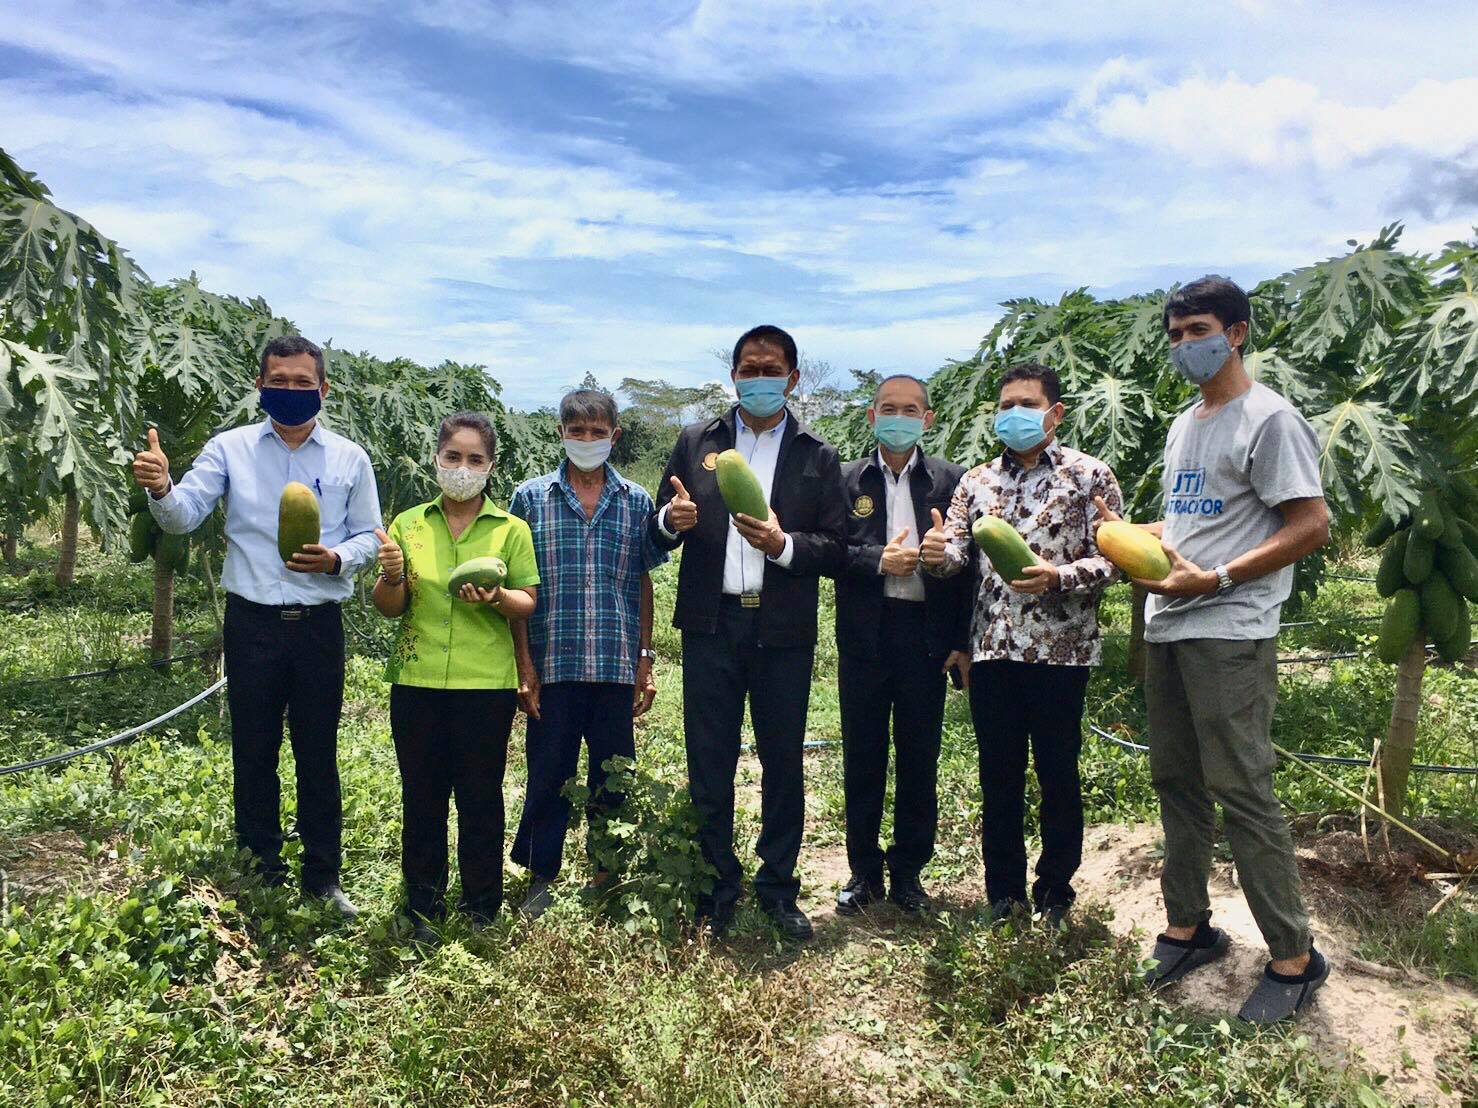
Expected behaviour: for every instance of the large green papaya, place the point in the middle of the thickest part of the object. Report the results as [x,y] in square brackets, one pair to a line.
[297,520]
[1455,647]
[1460,567]
[138,500]
[1391,575]
[1007,550]
[1133,549]
[739,487]
[1420,554]
[1470,534]
[1427,521]
[485,573]
[1400,625]
[143,532]
[1441,607]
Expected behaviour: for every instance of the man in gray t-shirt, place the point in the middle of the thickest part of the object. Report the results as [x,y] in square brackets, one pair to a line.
[1243,500]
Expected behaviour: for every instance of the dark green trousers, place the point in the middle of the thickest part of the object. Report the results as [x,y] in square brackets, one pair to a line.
[1210,707]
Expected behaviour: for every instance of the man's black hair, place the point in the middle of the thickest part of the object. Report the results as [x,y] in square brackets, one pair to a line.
[768,333]
[1218,296]
[1035,371]
[289,346]
[923,388]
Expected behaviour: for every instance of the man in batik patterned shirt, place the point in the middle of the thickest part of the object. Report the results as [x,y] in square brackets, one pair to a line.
[1034,639]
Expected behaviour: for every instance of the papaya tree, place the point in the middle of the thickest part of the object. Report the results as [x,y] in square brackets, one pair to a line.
[66,297]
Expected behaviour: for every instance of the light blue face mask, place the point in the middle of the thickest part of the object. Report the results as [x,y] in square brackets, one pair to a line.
[898,432]
[1020,428]
[761,397]
[1199,360]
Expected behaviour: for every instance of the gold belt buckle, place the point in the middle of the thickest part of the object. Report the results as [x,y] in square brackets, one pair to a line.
[292,613]
[749,600]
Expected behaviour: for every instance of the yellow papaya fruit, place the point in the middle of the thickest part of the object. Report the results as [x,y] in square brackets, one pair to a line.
[1134,550]
[739,487]
[297,519]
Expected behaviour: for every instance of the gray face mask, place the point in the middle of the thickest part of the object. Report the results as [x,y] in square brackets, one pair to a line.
[1199,360]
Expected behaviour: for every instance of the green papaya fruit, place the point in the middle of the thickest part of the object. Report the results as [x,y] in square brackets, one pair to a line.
[485,573]
[739,487]
[1420,553]
[1400,625]
[1427,521]
[1460,567]
[297,520]
[138,500]
[1006,549]
[1391,576]
[1440,607]
[172,552]
[1452,531]
[143,532]
[1470,534]
[1455,647]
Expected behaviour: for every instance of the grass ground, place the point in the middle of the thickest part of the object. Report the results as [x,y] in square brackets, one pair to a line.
[140,967]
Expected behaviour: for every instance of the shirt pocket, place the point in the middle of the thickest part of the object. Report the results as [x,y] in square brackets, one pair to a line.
[333,506]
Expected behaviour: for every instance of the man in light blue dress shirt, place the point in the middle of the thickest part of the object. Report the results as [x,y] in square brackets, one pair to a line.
[284,641]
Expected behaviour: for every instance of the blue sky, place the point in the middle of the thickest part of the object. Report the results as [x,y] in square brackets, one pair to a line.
[559,187]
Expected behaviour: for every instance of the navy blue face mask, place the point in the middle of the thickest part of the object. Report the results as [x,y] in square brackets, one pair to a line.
[290,407]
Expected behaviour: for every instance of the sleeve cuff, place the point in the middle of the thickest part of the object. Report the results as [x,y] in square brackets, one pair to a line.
[786,556]
[662,524]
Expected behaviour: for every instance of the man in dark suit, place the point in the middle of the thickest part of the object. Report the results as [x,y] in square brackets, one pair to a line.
[898,634]
[746,605]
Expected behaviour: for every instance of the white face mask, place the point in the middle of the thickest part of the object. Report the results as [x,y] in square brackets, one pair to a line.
[587,456]
[461,483]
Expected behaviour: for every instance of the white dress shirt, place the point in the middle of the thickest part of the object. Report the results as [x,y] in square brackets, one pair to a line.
[249,467]
[900,515]
[744,565]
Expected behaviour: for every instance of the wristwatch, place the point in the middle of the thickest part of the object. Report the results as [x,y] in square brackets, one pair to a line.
[1223,579]
[647,653]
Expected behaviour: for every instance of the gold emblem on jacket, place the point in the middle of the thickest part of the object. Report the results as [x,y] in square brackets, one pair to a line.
[862,507]
[710,460]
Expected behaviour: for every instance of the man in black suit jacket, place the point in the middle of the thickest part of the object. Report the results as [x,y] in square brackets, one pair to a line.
[898,633]
[746,605]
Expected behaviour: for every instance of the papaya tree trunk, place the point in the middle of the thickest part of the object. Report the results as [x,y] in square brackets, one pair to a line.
[1137,598]
[1400,744]
[66,567]
[161,639]
[11,542]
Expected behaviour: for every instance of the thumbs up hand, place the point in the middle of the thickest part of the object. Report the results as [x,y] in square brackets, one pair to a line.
[151,467]
[899,560]
[931,550]
[392,558]
[682,512]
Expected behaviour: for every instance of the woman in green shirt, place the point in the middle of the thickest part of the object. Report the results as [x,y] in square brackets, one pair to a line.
[453,676]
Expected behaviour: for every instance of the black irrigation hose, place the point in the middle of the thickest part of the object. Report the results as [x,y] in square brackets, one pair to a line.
[157,663]
[114,740]
[1327,759]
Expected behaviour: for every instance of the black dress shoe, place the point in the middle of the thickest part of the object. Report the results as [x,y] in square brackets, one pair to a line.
[334,897]
[857,894]
[790,919]
[908,894]
[423,934]
[716,922]
[1054,915]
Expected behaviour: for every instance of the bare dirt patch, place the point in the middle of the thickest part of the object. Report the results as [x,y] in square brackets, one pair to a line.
[55,862]
[1395,1022]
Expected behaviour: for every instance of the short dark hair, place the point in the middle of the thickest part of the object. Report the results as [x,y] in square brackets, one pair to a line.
[767,333]
[290,346]
[923,388]
[1035,371]
[1220,296]
[589,404]
[469,421]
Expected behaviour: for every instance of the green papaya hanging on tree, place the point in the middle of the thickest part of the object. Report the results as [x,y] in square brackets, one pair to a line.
[1441,607]
[1427,521]
[1399,626]
[1391,574]
[1420,554]
[1460,567]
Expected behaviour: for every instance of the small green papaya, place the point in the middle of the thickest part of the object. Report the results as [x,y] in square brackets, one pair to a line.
[1455,647]
[1420,553]
[1440,607]
[1460,567]
[143,532]
[1006,549]
[485,573]
[172,552]
[1380,531]
[1391,576]
[1452,531]
[1427,521]
[1399,626]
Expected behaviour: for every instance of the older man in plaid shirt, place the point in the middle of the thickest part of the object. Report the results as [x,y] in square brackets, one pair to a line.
[584,656]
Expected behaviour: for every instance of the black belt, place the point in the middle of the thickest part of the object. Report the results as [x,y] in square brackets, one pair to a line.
[284,611]
[748,600]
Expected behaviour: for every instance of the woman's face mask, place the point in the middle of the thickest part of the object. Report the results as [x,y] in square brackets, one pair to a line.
[461,482]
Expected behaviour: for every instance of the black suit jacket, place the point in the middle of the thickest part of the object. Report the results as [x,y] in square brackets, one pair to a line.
[948,601]
[807,499]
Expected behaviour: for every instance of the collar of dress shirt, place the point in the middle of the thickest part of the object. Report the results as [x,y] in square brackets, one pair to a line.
[488,507]
[265,428]
[1051,456]
[882,463]
[740,427]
